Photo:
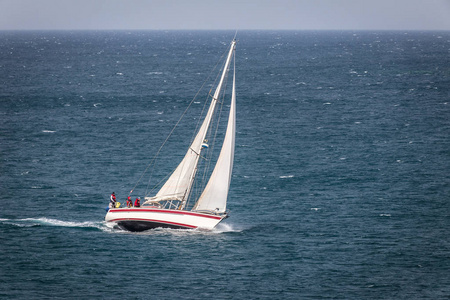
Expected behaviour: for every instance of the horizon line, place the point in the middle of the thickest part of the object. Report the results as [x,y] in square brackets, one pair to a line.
[202,29]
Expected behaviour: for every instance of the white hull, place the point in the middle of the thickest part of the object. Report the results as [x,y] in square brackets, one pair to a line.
[144,218]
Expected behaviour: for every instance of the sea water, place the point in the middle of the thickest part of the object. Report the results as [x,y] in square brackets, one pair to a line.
[341,182]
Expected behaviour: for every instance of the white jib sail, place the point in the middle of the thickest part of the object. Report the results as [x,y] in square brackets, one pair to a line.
[214,196]
[179,183]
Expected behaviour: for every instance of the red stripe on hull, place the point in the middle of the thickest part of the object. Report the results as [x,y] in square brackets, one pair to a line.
[182,212]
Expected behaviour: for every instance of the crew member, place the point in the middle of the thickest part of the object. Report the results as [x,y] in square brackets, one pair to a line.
[129,202]
[137,203]
[112,200]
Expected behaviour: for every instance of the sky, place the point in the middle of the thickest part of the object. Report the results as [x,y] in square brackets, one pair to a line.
[225,14]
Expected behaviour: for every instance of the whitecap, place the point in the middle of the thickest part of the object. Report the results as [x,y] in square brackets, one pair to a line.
[48,131]
[315,208]
[286,176]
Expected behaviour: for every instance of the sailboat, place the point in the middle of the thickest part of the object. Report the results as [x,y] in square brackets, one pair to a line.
[169,207]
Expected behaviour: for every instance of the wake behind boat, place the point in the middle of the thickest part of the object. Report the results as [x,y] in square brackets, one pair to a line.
[175,205]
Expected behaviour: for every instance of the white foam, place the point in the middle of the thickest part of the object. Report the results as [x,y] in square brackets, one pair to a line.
[55,222]
[286,176]
[28,222]
[48,131]
[225,227]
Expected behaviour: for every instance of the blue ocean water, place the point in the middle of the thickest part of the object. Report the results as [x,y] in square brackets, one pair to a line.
[340,188]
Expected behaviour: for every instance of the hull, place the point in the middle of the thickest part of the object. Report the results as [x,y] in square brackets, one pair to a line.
[142,218]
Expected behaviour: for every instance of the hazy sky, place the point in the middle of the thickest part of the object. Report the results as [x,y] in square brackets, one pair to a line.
[226,14]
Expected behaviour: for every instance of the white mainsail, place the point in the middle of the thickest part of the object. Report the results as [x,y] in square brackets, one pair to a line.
[214,196]
[178,186]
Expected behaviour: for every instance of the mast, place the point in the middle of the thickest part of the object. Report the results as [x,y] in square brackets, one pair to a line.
[214,196]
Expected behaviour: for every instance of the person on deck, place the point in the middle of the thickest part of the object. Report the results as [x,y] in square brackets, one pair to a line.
[137,203]
[112,200]
[129,202]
